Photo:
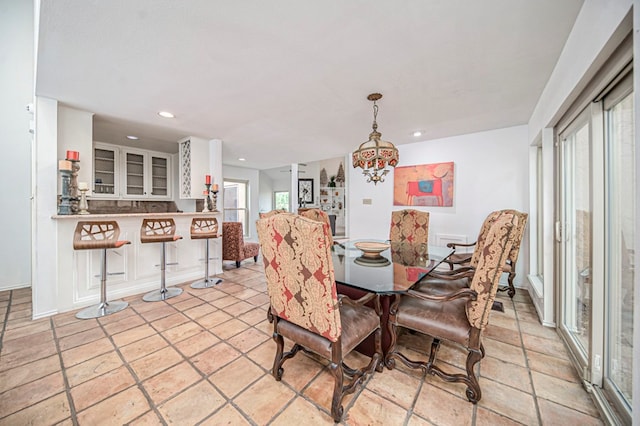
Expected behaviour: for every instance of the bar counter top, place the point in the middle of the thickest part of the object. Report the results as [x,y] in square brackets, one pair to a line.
[92,216]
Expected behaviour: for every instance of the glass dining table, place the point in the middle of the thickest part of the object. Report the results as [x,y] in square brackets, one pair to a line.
[386,269]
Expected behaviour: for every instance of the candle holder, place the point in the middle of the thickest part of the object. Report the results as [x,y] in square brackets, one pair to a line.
[73,186]
[214,201]
[207,201]
[65,203]
[84,206]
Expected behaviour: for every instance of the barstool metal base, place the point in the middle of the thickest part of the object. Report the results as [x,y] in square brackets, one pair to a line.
[206,282]
[158,295]
[101,310]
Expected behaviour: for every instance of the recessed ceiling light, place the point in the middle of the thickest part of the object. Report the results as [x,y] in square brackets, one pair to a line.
[242,159]
[417,133]
[133,138]
[166,114]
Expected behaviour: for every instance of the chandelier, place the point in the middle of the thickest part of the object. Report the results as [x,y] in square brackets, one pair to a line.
[374,155]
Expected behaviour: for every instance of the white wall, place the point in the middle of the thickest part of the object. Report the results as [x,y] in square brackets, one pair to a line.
[491,173]
[253,177]
[265,196]
[16,87]
[75,133]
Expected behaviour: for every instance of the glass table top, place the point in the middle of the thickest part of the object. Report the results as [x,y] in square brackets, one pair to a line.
[393,268]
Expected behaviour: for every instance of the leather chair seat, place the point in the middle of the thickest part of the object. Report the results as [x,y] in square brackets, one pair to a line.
[358,322]
[442,320]
[439,286]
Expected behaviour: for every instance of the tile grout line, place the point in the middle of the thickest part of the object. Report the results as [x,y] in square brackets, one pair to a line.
[526,361]
[6,319]
[63,370]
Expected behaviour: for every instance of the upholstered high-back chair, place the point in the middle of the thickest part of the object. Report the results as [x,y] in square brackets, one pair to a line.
[467,262]
[233,245]
[305,307]
[459,316]
[319,216]
[409,225]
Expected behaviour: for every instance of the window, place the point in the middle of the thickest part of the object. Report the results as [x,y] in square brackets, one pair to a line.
[236,202]
[281,200]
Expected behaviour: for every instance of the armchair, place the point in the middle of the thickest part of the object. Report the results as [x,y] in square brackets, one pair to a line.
[233,245]
[305,307]
[459,316]
[467,262]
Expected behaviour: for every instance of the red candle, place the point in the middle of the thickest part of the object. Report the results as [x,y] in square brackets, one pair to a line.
[207,179]
[73,155]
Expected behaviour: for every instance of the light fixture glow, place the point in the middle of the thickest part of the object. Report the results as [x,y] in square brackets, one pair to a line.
[417,133]
[374,155]
[166,114]
[133,138]
[242,159]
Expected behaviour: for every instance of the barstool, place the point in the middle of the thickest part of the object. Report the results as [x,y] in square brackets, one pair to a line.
[160,231]
[205,228]
[92,235]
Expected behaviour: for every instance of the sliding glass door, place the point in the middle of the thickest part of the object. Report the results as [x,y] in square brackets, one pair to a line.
[620,238]
[574,233]
[596,234]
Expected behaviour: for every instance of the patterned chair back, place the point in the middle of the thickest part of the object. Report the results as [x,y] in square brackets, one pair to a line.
[299,272]
[496,247]
[519,234]
[271,213]
[319,216]
[482,235]
[409,225]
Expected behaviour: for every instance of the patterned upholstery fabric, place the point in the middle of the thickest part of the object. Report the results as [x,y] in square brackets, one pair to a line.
[233,244]
[519,234]
[482,235]
[319,216]
[409,225]
[271,213]
[299,272]
[496,247]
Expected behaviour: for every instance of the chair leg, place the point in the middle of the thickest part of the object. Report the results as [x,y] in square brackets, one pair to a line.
[104,308]
[206,282]
[255,259]
[473,387]
[279,359]
[512,288]
[164,293]
[336,402]
[237,263]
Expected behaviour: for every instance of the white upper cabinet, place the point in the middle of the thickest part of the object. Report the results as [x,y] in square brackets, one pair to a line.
[146,174]
[122,172]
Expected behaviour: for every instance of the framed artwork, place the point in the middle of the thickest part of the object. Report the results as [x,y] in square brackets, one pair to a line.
[305,190]
[423,185]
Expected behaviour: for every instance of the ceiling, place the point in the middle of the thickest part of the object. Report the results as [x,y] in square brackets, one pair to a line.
[286,80]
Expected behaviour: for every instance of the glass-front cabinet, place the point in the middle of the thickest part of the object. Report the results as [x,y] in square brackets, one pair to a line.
[122,172]
[146,174]
[105,171]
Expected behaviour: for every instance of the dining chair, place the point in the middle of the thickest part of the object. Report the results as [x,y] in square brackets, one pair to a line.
[305,307]
[459,316]
[467,262]
[319,216]
[409,225]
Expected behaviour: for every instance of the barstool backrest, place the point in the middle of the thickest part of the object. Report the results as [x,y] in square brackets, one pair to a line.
[100,234]
[204,227]
[158,230]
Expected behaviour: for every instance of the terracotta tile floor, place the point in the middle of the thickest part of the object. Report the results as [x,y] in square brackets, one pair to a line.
[204,358]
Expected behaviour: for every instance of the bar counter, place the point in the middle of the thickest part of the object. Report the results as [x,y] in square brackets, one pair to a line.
[132,269]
